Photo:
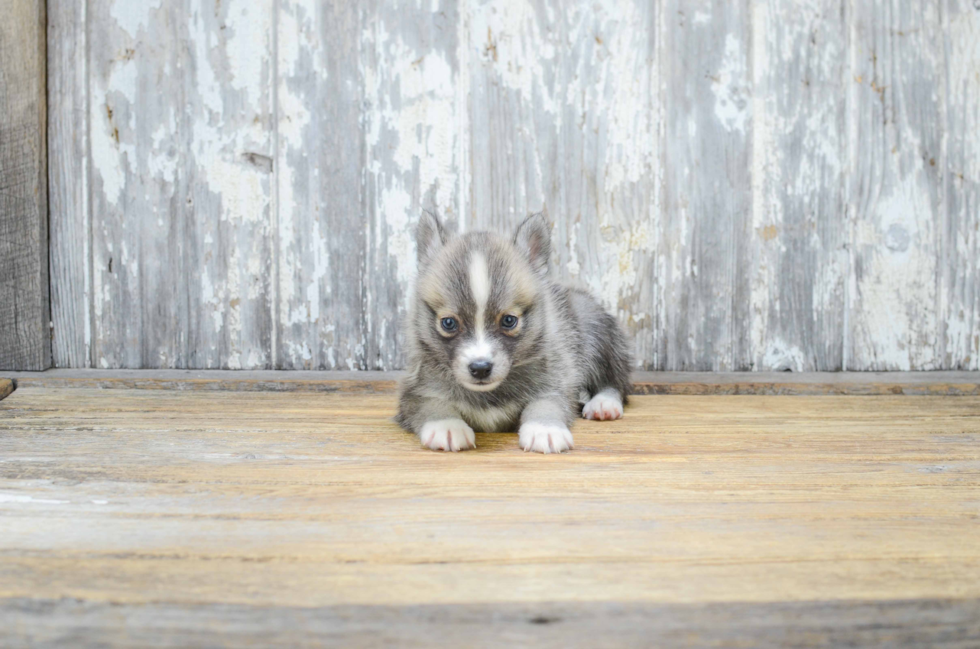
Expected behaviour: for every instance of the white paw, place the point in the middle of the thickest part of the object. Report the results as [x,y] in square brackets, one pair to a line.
[545,437]
[605,405]
[447,435]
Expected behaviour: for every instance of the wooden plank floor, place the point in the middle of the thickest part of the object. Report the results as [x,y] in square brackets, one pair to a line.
[185,518]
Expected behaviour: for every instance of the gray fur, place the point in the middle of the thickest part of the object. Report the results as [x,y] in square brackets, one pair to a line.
[567,344]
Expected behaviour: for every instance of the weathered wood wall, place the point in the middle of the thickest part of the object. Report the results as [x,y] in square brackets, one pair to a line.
[25,342]
[767,185]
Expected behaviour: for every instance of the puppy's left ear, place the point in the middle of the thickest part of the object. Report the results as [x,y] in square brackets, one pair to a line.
[533,239]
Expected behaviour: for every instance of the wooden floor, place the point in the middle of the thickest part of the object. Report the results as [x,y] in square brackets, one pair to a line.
[188,518]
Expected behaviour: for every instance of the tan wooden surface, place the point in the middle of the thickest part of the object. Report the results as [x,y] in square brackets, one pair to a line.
[181,500]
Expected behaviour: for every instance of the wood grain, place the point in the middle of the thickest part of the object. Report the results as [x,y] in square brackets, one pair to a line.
[68,189]
[708,170]
[220,503]
[896,201]
[25,342]
[321,237]
[180,135]
[946,624]
[798,242]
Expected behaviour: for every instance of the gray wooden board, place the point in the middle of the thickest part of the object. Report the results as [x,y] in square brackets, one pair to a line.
[708,192]
[798,245]
[761,186]
[181,142]
[68,199]
[960,237]
[25,342]
[899,624]
[896,205]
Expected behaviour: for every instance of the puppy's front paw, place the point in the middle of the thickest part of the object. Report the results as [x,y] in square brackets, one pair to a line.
[605,405]
[545,437]
[447,435]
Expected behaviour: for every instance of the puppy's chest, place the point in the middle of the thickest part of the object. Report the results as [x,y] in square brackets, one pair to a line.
[491,419]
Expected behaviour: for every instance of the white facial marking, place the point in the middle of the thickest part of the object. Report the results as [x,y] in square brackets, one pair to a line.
[479,350]
[480,287]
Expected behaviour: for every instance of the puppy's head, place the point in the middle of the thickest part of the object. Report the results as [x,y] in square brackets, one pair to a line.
[479,309]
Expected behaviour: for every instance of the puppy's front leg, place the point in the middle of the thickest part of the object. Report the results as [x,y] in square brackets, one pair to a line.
[439,427]
[544,427]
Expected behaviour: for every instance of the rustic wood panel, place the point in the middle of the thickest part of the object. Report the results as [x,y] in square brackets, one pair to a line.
[25,342]
[960,260]
[798,242]
[896,203]
[181,144]
[219,501]
[320,153]
[708,192]
[746,185]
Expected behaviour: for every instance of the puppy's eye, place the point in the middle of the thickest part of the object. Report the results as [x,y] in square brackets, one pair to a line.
[508,321]
[449,324]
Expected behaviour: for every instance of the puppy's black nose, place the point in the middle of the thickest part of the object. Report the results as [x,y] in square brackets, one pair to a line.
[481,369]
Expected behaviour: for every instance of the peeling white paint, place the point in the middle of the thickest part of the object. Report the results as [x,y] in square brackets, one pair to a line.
[507,36]
[133,15]
[731,85]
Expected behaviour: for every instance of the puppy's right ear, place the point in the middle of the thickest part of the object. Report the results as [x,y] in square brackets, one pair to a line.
[429,237]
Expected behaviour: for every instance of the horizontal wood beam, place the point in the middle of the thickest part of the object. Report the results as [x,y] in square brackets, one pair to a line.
[692,383]
[25,342]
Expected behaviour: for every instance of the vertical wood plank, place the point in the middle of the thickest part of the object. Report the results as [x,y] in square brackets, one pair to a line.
[960,261]
[565,119]
[25,342]
[181,139]
[135,102]
[321,228]
[708,201]
[798,265]
[896,201]
[68,191]
[225,240]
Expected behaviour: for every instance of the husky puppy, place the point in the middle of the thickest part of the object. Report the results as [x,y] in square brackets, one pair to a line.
[496,345]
